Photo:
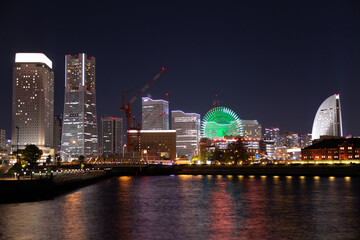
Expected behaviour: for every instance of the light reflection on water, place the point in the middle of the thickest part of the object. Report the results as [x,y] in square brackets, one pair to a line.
[194,207]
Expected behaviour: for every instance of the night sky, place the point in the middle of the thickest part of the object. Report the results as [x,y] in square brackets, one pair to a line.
[274,61]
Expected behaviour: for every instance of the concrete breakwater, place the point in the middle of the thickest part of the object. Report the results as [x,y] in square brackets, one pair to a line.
[46,187]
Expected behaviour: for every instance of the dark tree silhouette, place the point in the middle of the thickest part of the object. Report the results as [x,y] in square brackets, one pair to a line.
[31,154]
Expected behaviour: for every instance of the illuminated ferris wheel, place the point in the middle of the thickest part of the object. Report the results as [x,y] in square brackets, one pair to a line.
[220,122]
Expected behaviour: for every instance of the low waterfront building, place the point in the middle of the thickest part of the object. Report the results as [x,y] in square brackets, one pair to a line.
[160,141]
[333,150]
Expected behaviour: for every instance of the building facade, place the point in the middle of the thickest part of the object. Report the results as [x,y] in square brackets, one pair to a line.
[252,129]
[273,134]
[111,136]
[290,140]
[79,131]
[2,140]
[155,114]
[305,140]
[33,101]
[159,141]
[57,133]
[333,150]
[187,126]
[327,120]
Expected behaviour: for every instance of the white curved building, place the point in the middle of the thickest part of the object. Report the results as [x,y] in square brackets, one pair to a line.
[328,118]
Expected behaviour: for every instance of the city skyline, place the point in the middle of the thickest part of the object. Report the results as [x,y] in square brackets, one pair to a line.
[276,67]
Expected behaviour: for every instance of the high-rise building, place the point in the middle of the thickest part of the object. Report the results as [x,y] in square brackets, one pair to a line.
[57,134]
[111,136]
[252,129]
[155,114]
[33,101]
[79,130]
[327,120]
[2,140]
[187,126]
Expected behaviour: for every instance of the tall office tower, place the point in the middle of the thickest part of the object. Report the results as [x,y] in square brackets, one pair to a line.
[187,126]
[252,129]
[79,130]
[155,114]
[2,140]
[327,120]
[57,133]
[33,101]
[111,136]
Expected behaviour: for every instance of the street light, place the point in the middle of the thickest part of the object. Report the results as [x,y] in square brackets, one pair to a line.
[146,155]
[123,151]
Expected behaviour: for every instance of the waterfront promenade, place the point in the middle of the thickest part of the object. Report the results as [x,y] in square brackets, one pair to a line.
[42,185]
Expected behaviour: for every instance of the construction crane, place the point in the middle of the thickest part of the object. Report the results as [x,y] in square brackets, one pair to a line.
[126,106]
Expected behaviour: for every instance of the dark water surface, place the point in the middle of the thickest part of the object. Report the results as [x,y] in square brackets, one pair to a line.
[193,207]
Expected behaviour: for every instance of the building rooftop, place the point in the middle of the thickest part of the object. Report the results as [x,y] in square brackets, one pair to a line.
[334,143]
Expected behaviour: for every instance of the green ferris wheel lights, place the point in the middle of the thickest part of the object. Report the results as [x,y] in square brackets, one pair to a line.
[220,122]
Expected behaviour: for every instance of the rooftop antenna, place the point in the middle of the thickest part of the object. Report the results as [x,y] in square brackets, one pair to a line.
[216,102]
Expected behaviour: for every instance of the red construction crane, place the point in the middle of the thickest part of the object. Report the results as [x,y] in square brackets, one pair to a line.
[127,107]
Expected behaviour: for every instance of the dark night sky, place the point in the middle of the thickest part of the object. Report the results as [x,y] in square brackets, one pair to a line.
[274,61]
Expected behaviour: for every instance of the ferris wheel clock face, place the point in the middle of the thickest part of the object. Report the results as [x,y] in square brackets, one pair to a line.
[220,122]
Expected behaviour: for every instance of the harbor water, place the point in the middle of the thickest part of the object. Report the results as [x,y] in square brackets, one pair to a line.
[193,207]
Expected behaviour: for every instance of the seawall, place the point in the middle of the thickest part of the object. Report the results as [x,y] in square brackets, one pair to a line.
[47,187]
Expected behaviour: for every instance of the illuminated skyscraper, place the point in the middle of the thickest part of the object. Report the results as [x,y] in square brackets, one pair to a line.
[33,101]
[328,118]
[155,114]
[187,126]
[79,130]
[111,135]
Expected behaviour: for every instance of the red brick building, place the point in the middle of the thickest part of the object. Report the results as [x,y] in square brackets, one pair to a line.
[333,150]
